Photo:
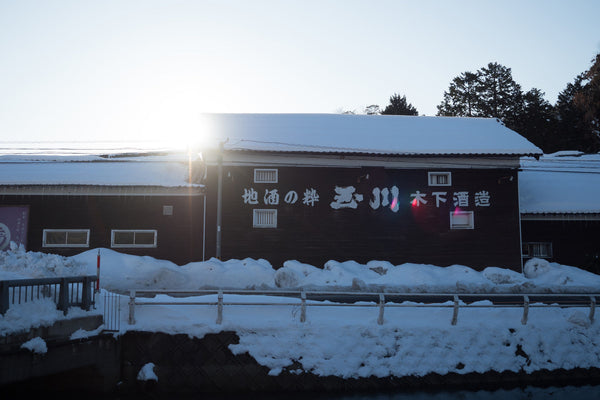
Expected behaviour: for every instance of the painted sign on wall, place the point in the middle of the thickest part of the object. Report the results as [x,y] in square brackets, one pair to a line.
[13,225]
[347,197]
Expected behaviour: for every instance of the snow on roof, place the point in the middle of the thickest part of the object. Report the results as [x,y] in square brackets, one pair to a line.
[94,173]
[90,164]
[376,134]
[564,182]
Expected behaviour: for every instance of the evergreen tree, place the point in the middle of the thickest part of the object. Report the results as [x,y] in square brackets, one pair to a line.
[536,121]
[588,102]
[499,95]
[462,98]
[399,106]
[574,132]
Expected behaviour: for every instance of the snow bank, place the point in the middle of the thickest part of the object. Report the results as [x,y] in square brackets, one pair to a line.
[122,272]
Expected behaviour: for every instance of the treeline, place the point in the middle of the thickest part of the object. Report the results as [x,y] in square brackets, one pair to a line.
[573,123]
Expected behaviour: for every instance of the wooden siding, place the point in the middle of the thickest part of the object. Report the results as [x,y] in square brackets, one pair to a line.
[317,233]
[179,237]
[574,243]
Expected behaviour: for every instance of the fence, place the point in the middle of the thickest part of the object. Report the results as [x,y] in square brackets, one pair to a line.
[383,300]
[112,312]
[64,291]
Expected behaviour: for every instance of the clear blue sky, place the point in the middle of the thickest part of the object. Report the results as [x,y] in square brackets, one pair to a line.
[135,70]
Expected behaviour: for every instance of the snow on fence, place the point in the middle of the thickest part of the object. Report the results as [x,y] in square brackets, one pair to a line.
[64,291]
[385,300]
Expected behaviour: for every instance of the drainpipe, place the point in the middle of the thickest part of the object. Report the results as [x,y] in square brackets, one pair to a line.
[219,197]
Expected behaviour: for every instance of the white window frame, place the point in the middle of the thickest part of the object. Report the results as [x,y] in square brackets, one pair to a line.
[432,178]
[257,221]
[265,171]
[67,244]
[132,245]
[547,246]
[470,225]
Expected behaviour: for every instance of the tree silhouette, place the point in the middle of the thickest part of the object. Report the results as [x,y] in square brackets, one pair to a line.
[399,106]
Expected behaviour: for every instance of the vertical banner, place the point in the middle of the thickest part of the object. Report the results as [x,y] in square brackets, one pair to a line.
[13,225]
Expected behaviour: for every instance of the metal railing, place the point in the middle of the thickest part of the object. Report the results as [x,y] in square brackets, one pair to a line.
[378,300]
[64,291]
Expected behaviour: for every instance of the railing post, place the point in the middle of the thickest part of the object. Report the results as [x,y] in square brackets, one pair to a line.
[63,296]
[592,308]
[220,308]
[303,307]
[131,307]
[525,310]
[455,313]
[381,305]
[3,297]
[86,294]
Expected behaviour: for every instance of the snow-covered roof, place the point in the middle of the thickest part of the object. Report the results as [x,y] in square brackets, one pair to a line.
[564,183]
[85,164]
[94,173]
[373,134]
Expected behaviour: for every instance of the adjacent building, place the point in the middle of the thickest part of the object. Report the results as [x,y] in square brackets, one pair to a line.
[560,209]
[144,203]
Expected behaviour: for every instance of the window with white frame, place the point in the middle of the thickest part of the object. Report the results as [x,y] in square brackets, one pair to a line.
[264,218]
[439,178]
[66,238]
[133,238]
[263,175]
[537,249]
[461,220]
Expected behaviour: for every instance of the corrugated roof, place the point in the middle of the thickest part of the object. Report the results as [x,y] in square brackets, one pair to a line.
[560,184]
[372,134]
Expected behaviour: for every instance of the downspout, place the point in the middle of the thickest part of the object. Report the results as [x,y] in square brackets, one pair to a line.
[520,228]
[219,197]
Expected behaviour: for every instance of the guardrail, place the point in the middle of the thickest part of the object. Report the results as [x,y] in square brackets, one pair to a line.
[65,291]
[382,301]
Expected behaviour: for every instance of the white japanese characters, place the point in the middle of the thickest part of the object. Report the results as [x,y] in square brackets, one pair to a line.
[347,197]
[271,197]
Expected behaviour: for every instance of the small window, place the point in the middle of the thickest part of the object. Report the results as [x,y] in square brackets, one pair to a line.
[265,175]
[461,220]
[264,219]
[537,249]
[66,238]
[440,178]
[167,210]
[133,238]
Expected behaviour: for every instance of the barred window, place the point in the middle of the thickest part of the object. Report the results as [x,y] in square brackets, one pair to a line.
[439,178]
[264,219]
[265,175]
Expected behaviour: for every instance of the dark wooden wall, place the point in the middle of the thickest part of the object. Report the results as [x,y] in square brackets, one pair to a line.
[317,234]
[179,237]
[574,243]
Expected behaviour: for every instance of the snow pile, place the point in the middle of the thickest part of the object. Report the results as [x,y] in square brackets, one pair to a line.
[22,317]
[36,345]
[423,342]
[16,263]
[147,373]
[122,272]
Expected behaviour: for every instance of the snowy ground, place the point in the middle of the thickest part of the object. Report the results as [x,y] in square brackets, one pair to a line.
[340,341]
